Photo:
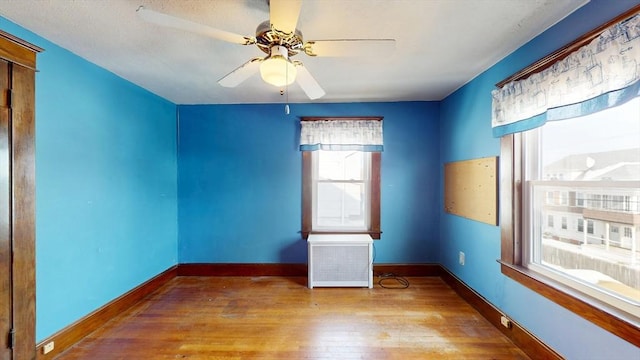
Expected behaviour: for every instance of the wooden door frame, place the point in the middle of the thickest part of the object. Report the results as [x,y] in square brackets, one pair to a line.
[20,98]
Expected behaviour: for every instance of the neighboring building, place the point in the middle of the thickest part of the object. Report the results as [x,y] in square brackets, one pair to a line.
[594,199]
[590,218]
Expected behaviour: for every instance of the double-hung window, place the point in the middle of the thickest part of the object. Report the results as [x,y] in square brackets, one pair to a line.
[341,190]
[601,158]
[341,175]
[570,150]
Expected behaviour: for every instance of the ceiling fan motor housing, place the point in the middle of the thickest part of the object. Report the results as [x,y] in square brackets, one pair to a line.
[267,37]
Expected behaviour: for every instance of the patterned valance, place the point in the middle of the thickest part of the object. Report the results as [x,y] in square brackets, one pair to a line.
[341,134]
[601,74]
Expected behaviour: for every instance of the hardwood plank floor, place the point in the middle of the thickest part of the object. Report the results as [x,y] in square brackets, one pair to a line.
[280,318]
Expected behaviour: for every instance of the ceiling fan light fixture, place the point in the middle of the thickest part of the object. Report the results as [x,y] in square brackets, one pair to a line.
[277,70]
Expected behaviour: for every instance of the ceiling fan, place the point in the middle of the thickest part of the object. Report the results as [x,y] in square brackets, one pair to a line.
[279,38]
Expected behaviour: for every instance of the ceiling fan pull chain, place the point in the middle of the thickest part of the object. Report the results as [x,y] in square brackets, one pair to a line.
[286,107]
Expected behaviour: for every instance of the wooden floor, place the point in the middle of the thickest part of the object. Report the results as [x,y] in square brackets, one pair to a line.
[280,318]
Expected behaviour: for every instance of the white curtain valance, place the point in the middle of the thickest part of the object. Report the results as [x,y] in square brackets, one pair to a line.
[604,73]
[347,134]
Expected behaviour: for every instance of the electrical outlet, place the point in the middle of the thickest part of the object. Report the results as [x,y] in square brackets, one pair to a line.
[505,322]
[461,258]
[48,347]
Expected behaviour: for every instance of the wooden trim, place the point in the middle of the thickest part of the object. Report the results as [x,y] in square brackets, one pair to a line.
[23,217]
[526,341]
[73,333]
[506,193]
[18,51]
[321,118]
[374,196]
[6,264]
[566,50]
[18,101]
[593,310]
[18,41]
[236,269]
[307,193]
[408,269]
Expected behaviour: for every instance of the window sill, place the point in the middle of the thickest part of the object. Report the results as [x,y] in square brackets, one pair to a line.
[375,235]
[607,317]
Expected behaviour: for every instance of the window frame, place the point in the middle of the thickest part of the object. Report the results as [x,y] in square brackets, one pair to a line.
[374,189]
[596,311]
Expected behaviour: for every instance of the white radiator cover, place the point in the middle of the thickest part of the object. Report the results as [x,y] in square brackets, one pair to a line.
[337,260]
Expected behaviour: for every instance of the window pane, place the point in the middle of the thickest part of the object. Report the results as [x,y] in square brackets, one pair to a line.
[341,205]
[588,170]
[341,189]
[340,165]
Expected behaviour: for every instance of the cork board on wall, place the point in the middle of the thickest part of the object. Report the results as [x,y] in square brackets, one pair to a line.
[471,189]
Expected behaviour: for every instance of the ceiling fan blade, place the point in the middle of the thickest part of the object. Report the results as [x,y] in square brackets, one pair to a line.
[349,47]
[308,84]
[283,14]
[241,74]
[161,19]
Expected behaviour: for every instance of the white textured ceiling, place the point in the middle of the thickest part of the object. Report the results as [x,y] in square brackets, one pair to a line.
[440,44]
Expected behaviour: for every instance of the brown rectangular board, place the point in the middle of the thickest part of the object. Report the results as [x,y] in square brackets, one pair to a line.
[471,189]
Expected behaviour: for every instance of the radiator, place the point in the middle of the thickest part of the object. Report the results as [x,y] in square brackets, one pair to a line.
[340,260]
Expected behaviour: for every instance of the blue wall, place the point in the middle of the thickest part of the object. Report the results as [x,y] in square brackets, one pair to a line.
[106,185]
[466,134]
[240,181]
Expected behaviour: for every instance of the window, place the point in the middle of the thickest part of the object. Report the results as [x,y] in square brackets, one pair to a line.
[564,198]
[340,186]
[539,155]
[627,232]
[550,221]
[334,205]
[341,190]
[602,158]
[550,198]
[597,263]
[595,201]
[626,204]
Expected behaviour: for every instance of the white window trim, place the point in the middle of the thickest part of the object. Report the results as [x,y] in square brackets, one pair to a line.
[367,192]
[531,249]
[599,293]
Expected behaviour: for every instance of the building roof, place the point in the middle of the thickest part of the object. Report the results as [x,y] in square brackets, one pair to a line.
[608,165]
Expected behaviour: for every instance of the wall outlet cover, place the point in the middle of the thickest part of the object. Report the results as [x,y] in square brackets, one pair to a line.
[48,347]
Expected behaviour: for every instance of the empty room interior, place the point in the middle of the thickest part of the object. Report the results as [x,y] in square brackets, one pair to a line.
[320,179]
